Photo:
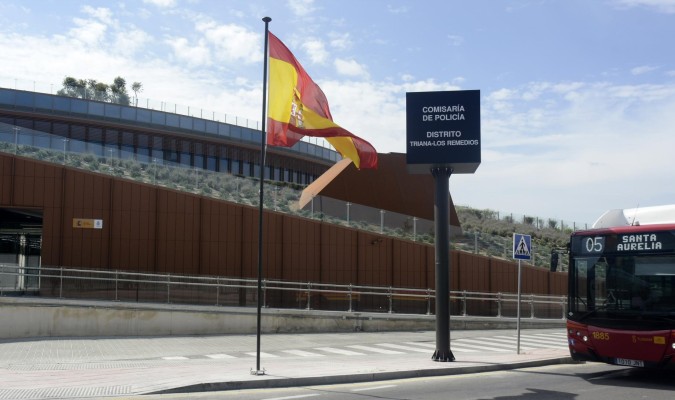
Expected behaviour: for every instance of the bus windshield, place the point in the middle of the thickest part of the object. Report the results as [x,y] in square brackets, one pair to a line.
[622,285]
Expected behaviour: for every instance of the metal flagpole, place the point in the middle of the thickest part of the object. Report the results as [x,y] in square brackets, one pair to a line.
[263,141]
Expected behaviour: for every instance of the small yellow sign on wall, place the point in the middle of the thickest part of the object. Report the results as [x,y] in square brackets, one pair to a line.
[82,223]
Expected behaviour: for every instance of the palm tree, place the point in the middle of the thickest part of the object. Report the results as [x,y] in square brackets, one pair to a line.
[136,87]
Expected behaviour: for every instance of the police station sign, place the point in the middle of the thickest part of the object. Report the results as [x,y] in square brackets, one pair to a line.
[443,130]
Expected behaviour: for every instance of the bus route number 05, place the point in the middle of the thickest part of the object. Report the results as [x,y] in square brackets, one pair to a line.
[595,244]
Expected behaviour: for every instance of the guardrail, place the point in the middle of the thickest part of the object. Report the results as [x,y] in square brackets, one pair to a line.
[222,291]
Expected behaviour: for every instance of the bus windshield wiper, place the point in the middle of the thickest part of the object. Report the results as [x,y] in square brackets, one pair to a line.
[591,312]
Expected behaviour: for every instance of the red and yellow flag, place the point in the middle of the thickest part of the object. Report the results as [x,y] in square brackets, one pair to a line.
[298,107]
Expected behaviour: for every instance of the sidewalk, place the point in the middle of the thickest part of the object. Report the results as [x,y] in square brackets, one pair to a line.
[112,367]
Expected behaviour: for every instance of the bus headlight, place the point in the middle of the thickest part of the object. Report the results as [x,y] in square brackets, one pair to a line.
[585,338]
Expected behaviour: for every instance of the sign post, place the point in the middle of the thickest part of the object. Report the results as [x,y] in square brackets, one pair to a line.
[442,137]
[522,250]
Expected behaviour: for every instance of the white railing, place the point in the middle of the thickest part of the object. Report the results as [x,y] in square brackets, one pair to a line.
[223,291]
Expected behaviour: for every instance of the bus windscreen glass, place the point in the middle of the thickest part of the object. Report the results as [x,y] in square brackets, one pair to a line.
[623,275]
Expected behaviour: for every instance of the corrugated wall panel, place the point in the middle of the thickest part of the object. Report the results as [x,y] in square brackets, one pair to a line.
[273,251]
[249,244]
[338,255]
[163,232]
[209,231]
[39,186]
[474,272]
[407,257]
[535,280]
[120,227]
[133,226]
[146,218]
[160,230]
[302,249]
[6,188]
[233,223]
[455,269]
[191,238]
[221,239]
[20,183]
[504,276]
[51,217]
[375,265]
[558,283]
[69,247]
[431,268]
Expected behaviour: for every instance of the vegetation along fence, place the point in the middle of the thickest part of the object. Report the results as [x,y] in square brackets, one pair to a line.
[484,232]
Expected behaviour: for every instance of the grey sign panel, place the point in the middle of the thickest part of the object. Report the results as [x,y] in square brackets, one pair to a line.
[443,130]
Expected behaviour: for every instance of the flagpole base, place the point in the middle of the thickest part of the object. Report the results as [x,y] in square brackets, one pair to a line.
[443,356]
[257,372]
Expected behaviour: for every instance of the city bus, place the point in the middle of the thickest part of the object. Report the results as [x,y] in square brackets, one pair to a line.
[621,293]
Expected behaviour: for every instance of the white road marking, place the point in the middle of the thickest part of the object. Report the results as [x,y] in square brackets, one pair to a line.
[339,351]
[302,353]
[454,347]
[477,344]
[300,396]
[373,388]
[374,349]
[219,356]
[262,355]
[406,348]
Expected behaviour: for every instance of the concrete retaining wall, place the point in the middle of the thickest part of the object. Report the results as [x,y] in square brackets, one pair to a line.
[38,317]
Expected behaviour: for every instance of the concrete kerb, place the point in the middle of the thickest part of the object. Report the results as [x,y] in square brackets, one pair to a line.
[46,317]
[269,382]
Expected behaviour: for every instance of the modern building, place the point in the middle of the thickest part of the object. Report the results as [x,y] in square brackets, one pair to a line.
[95,185]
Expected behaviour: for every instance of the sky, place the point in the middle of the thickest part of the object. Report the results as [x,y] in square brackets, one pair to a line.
[577,96]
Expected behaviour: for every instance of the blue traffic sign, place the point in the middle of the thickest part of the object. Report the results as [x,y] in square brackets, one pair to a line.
[522,246]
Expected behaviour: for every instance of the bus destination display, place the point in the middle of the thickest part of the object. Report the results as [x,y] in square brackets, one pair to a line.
[647,242]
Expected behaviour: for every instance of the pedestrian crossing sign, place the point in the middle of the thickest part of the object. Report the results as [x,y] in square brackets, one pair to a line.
[522,246]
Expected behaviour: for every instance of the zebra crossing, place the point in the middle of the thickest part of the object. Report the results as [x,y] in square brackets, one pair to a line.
[489,344]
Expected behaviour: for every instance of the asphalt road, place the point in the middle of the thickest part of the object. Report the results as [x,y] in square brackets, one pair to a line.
[565,382]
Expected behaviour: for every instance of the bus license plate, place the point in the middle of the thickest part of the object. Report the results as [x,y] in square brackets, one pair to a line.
[629,363]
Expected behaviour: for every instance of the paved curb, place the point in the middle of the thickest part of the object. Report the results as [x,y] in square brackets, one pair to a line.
[52,318]
[268,382]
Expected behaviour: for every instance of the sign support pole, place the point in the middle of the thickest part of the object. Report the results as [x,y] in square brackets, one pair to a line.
[441,218]
[522,250]
[518,312]
[442,137]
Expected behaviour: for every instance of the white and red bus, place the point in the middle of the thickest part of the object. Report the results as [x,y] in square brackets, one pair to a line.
[622,289]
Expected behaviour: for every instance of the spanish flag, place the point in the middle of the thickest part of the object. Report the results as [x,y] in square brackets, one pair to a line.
[298,107]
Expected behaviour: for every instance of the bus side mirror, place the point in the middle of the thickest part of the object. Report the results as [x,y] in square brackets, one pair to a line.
[554,261]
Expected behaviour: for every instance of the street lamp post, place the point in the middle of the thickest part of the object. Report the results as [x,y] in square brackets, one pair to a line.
[312,215]
[414,229]
[154,170]
[16,139]
[65,143]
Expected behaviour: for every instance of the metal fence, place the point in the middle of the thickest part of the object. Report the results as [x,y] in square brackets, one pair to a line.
[57,282]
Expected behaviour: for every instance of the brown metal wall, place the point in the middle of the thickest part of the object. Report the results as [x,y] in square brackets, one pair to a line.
[147,228]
